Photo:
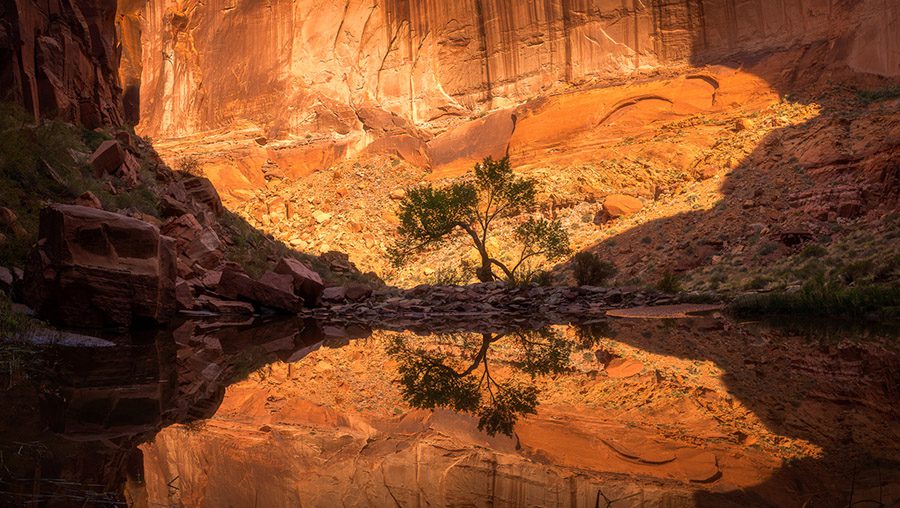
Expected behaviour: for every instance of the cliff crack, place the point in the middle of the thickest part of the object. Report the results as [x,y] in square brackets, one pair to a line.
[337,34]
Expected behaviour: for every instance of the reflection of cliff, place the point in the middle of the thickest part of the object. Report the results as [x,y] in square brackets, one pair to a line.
[690,413]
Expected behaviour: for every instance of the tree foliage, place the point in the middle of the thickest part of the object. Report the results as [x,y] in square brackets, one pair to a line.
[429,215]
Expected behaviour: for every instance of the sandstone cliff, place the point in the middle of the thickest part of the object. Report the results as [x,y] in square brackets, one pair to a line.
[261,91]
[299,67]
[59,59]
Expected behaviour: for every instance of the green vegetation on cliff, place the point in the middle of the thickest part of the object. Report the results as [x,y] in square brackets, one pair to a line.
[46,162]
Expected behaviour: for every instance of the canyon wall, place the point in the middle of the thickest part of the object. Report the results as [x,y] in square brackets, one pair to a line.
[58,58]
[295,67]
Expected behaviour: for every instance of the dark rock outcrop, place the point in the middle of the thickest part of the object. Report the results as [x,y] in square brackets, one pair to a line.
[239,286]
[307,283]
[59,59]
[92,268]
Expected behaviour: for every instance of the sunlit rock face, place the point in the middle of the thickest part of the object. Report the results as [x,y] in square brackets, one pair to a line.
[299,86]
[309,66]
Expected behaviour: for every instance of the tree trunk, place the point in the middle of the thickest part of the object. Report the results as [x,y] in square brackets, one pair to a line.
[485,273]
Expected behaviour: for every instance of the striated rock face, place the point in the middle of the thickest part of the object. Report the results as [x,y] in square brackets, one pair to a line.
[98,269]
[293,67]
[296,87]
[59,59]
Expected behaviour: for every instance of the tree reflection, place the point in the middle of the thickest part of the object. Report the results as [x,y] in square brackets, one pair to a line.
[454,371]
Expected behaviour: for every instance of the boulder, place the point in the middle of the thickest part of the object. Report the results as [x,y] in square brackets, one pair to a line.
[281,281]
[237,285]
[107,158]
[850,209]
[201,190]
[623,367]
[184,295]
[10,222]
[197,245]
[7,217]
[338,262]
[350,292]
[6,280]
[129,171]
[124,137]
[225,307]
[92,268]
[89,199]
[334,294]
[358,292]
[307,283]
[171,207]
[620,205]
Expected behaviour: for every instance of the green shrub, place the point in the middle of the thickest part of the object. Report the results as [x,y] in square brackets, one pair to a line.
[825,300]
[190,165]
[533,276]
[93,139]
[881,94]
[453,276]
[669,283]
[590,270]
[810,270]
[857,271]
[758,282]
[813,251]
[768,248]
[890,269]
[13,325]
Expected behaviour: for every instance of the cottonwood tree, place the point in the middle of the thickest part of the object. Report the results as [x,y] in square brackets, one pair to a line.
[455,373]
[430,215]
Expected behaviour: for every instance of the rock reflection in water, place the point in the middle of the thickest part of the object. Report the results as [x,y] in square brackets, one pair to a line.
[684,412]
[71,418]
[669,412]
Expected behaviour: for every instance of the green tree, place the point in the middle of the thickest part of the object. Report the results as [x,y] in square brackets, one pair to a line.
[430,215]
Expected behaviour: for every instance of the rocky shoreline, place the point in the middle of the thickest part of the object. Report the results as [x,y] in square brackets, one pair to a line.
[489,305]
[97,269]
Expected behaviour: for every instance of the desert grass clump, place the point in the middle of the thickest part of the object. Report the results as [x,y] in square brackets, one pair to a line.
[453,276]
[590,270]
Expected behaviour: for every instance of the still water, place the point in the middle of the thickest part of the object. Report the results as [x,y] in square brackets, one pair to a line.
[701,411]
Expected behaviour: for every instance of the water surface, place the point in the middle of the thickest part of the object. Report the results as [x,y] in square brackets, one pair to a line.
[701,411]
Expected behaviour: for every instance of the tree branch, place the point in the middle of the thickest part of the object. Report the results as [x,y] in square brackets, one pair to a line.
[506,270]
[524,257]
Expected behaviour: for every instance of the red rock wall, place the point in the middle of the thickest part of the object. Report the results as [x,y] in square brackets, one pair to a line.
[58,58]
[293,66]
